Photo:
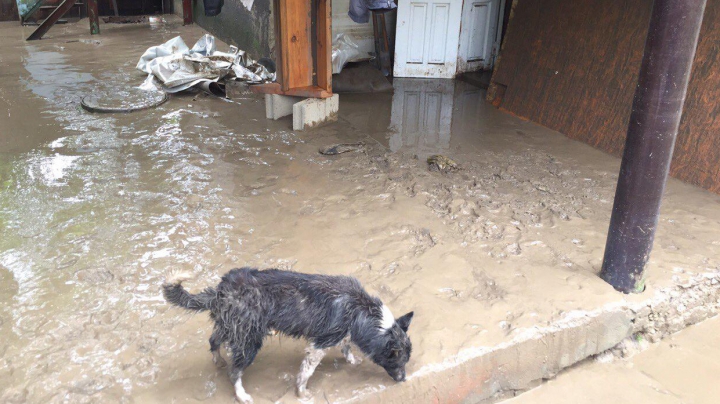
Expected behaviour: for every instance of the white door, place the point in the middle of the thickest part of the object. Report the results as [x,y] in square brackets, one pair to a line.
[479,38]
[427,36]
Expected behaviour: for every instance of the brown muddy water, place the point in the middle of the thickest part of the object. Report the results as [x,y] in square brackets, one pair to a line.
[95,210]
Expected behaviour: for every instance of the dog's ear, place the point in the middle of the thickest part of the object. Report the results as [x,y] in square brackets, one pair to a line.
[404,321]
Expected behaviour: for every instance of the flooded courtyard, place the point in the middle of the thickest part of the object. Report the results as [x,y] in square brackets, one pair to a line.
[96,209]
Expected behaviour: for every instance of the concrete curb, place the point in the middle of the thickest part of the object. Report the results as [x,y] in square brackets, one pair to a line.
[479,374]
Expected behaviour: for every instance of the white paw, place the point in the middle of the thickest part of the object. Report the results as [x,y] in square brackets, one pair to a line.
[353,360]
[303,393]
[243,398]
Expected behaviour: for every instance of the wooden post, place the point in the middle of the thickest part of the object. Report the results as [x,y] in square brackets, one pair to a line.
[303,56]
[654,121]
[92,12]
[61,9]
[187,12]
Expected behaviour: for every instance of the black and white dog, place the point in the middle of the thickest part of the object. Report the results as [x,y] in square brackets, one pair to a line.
[326,310]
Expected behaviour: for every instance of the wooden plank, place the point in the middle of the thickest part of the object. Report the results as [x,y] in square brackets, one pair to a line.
[275,88]
[295,23]
[29,11]
[64,7]
[309,91]
[323,64]
[268,88]
[92,12]
[281,61]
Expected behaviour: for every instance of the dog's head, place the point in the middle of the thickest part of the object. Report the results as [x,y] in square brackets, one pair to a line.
[392,347]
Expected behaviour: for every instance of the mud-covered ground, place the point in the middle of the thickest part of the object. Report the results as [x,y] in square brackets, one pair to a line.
[96,209]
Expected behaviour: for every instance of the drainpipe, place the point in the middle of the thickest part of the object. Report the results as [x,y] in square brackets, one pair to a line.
[654,121]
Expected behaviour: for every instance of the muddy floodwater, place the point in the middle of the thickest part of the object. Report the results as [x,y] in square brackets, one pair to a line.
[95,209]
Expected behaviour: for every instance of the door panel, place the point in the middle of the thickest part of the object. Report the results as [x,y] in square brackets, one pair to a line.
[478,37]
[418,25]
[438,33]
[428,33]
[479,24]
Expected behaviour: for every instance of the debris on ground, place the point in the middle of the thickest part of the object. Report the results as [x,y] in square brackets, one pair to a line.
[173,67]
[342,148]
[361,78]
[123,100]
[130,19]
[344,50]
[444,164]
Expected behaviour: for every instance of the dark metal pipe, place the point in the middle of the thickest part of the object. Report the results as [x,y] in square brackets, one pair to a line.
[654,121]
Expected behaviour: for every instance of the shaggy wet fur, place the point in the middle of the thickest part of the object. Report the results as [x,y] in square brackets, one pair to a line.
[325,310]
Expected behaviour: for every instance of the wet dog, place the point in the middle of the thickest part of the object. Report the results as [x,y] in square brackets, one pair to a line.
[328,311]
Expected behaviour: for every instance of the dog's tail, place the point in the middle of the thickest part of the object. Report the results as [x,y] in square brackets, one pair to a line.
[177,295]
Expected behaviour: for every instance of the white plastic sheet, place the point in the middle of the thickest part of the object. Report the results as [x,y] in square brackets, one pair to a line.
[344,50]
[174,67]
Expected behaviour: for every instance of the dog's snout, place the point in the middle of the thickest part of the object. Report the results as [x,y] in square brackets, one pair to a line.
[398,375]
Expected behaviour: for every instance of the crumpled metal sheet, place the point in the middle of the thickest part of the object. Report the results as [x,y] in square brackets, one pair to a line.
[173,67]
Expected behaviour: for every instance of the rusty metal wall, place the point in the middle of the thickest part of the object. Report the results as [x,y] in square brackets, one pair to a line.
[572,67]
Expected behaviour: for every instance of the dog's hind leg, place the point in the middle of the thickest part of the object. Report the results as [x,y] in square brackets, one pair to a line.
[216,340]
[240,394]
[307,368]
[242,356]
[347,353]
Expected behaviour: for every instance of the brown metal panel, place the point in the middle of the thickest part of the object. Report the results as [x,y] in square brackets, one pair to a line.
[697,151]
[572,66]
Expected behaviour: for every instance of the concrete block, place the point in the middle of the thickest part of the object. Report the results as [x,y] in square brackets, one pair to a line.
[278,106]
[315,111]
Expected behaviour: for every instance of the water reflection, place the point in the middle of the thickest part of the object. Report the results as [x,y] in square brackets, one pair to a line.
[427,113]
[50,72]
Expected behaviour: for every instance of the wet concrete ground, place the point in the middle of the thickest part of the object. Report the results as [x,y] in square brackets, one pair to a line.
[96,209]
[681,369]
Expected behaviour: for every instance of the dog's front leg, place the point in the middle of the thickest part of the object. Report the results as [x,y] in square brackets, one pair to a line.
[347,353]
[307,368]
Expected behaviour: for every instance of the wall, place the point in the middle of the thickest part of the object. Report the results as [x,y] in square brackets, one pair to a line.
[363,33]
[247,24]
[572,66]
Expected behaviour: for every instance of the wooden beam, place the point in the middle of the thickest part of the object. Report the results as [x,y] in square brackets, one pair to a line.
[323,62]
[63,8]
[187,12]
[275,88]
[35,7]
[93,16]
